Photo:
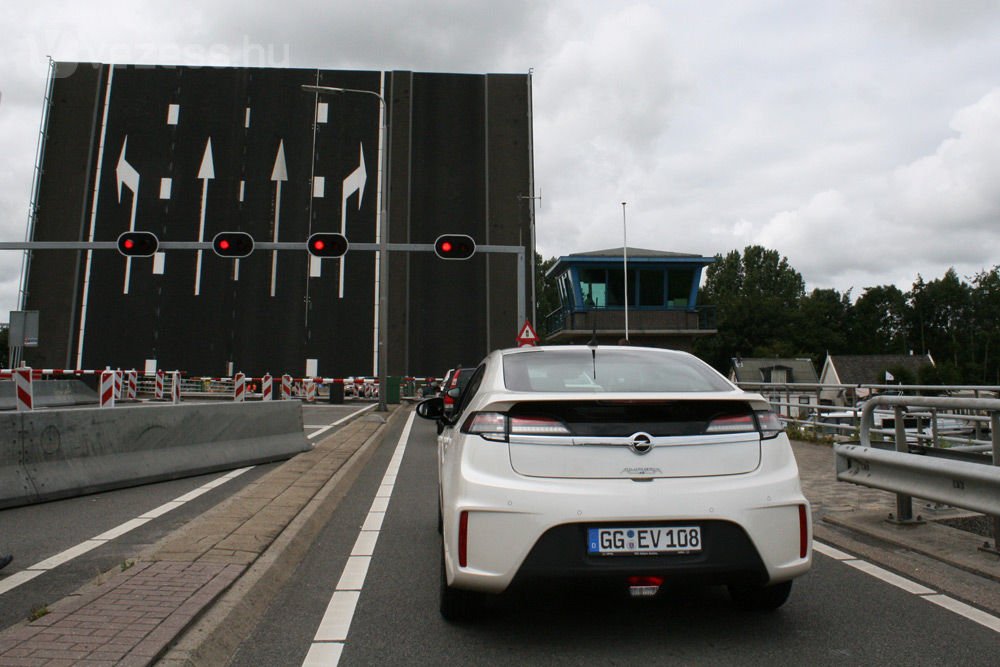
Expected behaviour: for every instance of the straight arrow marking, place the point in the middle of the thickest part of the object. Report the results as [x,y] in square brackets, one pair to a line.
[127,175]
[206,172]
[279,174]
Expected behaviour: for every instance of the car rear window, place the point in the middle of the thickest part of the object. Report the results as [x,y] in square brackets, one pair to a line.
[609,370]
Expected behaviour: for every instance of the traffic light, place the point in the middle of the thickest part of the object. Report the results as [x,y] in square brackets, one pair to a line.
[232,244]
[327,245]
[138,244]
[454,246]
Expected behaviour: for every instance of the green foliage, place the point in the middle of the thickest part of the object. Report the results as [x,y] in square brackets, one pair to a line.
[763,311]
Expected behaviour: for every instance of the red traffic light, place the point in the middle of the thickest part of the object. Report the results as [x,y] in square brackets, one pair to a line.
[327,245]
[138,244]
[232,244]
[454,246]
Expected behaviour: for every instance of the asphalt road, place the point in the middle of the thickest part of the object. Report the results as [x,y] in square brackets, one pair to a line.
[63,529]
[836,615]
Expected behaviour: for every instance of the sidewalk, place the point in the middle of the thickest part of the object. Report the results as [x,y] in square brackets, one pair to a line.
[241,548]
[199,593]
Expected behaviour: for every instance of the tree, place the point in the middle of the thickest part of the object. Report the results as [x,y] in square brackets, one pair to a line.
[938,313]
[756,294]
[878,322]
[822,323]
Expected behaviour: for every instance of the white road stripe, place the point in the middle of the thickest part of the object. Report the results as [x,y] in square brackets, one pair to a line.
[340,421]
[337,619]
[890,577]
[328,644]
[976,615]
[12,581]
[969,612]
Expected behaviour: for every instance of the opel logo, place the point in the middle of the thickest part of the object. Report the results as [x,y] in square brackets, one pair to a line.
[641,443]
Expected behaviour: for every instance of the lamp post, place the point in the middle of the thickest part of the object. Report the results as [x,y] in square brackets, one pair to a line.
[625,266]
[383,233]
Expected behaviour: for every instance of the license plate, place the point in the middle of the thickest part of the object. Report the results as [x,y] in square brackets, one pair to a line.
[644,540]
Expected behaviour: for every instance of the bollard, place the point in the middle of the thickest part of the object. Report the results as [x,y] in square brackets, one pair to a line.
[133,385]
[239,388]
[175,387]
[107,397]
[23,389]
[266,387]
[286,387]
[158,387]
[310,391]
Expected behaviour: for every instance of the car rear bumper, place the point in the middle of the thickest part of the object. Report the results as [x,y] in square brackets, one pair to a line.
[751,526]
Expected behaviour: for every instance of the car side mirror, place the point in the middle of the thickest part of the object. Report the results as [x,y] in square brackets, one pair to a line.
[431,408]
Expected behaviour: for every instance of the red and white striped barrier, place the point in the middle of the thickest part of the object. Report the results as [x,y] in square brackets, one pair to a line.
[286,387]
[133,385]
[239,388]
[310,391]
[266,386]
[107,389]
[118,385]
[158,385]
[22,387]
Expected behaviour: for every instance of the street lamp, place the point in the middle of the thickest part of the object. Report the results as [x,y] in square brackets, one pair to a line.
[383,233]
[625,266]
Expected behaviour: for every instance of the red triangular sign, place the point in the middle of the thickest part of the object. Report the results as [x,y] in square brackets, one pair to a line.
[527,337]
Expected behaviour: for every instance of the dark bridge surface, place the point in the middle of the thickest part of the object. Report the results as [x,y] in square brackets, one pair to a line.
[187,152]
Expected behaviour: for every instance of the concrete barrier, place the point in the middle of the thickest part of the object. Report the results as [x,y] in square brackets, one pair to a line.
[50,454]
[50,394]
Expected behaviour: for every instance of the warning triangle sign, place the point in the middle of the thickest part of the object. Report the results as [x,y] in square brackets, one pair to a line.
[527,337]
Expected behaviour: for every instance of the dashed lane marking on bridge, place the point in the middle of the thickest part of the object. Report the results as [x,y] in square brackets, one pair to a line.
[969,612]
[327,427]
[18,578]
[331,636]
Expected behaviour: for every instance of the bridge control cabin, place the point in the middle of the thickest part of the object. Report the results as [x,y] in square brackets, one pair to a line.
[663,308]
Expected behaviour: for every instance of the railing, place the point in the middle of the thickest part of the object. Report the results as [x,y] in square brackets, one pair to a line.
[699,318]
[966,484]
[902,447]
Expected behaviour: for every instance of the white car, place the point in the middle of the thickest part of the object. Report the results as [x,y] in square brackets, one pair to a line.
[640,465]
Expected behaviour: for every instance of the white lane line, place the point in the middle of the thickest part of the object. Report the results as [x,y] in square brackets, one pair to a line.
[977,615]
[969,612]
[890,577]
[328,644]
[340,421]
[27,574]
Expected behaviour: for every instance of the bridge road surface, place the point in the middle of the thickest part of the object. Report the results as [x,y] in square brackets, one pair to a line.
[836,614]
[36,533]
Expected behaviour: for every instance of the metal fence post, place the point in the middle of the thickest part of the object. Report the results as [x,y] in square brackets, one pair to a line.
[904,503]
[995,437]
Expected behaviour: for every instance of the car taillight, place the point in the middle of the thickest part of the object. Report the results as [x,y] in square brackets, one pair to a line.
[770,424]
[498,426]
[488,425]
[537,426]
[731,424]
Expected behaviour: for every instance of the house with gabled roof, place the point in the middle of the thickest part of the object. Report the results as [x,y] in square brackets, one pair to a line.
[783,373]
[866,369]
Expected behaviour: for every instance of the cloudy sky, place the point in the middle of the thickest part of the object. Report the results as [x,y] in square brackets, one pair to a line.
[860,139]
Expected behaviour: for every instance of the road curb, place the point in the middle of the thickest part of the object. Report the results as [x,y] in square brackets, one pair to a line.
[216,636]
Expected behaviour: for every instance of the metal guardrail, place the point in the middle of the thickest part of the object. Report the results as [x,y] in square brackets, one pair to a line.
[963,484]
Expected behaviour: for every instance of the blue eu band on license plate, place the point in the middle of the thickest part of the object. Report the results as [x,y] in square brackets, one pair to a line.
[644,540]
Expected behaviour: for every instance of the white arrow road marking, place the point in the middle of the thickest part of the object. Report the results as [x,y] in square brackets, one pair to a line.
[206,172]
[127,175]
[279,174]
[355,182]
